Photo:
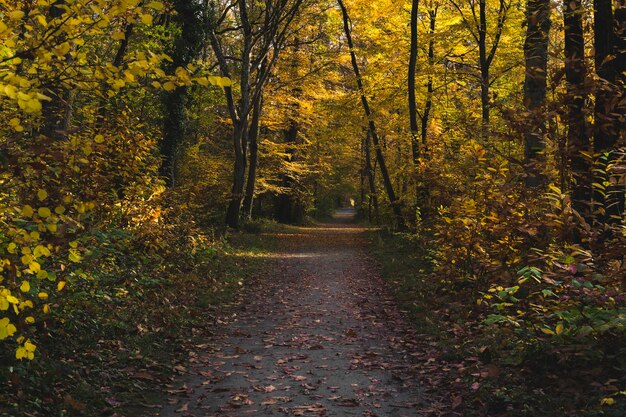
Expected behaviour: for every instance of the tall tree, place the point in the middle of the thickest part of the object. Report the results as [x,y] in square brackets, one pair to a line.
[187,48]
[255,126]
[577,136]
[393,200]
[411,81]
[536,58]
[261,28]
[478,28]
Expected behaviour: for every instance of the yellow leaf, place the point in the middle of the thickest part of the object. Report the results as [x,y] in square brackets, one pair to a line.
[42,274]
[10,91]
[52,227]
[34,266]
[156,5]
[11,299]
[118,36]
[42,195]
[41,250]
[607,401]
[547,331]
[43,295]
[98,139]
[30,347]
[12,248]
[27,211]
[146,19]
[169,86]
[16,15]
[559,328]
[203,81]
[60,285]
[27,259]
[29,319]
[25,287]
[224,82]
[32,106]
[6,328]
[74,255]
[46,308]
[42,20]
[3,27]
[44,212]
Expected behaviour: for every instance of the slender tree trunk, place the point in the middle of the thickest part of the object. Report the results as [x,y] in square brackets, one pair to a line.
[240,136]
[239,175]
[187,48]
[411,82]
[117,62]
[369,170]
[425,119]
[536,57]
[577,138]
[605,127]
[619,51]
[484,67]
[605,133]
[395,203]
[57,111]
[253,137]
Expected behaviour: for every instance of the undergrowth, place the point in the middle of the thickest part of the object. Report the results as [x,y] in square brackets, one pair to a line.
[486,370]
[128,326]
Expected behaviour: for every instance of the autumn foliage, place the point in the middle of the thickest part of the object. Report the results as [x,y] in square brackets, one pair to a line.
[132,129]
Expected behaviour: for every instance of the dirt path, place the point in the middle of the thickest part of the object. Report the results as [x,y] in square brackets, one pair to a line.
[319,337]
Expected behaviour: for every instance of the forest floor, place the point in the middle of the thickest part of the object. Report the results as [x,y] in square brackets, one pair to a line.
[318,335]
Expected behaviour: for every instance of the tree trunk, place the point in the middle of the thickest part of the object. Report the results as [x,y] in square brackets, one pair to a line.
[429,88]
[253,137]
[187,48]
[288,208]
[117,62]
[605,133]
[484,68]
[619,51]
[411,82]
[536,57]
[57,111]
[395,204]
[373,197]
[577,138]
[239,175]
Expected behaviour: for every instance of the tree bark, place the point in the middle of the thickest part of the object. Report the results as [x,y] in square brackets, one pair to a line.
[577,138]
[187,48]
[253,137]
[395,203]
[373,197]
[484,67]
[411,82]
[57,111]
[429,87]
[535,84]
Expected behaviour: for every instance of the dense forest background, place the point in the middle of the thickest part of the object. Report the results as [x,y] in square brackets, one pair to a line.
[488,134]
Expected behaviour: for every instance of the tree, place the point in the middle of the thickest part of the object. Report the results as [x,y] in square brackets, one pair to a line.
[411,81]
[262,29]
[395,203]
[577,137]
[190,16]
[536,57]
[478,28]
